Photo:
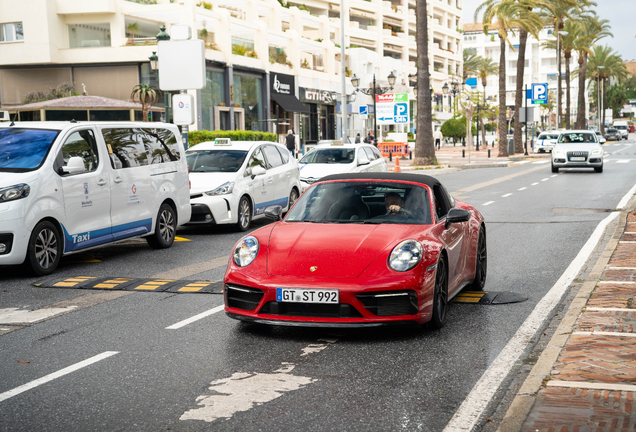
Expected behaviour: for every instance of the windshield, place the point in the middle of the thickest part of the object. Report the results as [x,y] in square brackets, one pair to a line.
[215,160]
[545,136]
[24,149]
[329,156]
[368,202]
[577,137]
[621,127]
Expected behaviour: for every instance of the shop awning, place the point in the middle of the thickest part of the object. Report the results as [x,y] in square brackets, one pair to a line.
[290,103]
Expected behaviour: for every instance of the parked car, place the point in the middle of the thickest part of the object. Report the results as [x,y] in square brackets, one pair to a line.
[631,128]
[546,141]
[234,182]
[337,158]
[68,186]
[600,137]
[359,250]
[577,149]
[612,134]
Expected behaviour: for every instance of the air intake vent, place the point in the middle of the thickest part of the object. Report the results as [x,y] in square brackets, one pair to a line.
[390,303]
[242,297]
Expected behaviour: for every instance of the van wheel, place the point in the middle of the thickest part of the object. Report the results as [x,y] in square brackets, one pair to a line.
[165,228]
[45,249]
[244,215]
[293,196]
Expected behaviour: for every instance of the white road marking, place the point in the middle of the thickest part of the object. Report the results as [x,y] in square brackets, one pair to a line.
[534,184]
[555,175]
[545,179]
[488,203]
[471,410]
[244,390]
[523,188]
[506,195]
[623,161]
[541,162]
[195,318]
[55,375]
[15,315]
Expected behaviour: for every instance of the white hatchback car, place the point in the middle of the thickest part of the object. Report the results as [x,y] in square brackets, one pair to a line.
[338,158]
[577,149]
[234,182]
[546,141]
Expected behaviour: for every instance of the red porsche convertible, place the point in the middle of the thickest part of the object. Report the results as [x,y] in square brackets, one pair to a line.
[359,250]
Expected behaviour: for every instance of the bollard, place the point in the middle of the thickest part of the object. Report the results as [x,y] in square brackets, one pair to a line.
[390,157]
[463,153]
[410,155]
[489,153]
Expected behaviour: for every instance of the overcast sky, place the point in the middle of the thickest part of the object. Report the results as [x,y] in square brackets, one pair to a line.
[620,13]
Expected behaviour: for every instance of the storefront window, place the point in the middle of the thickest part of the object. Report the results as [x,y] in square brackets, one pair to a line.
[88,35]
[248,94]
[212,95]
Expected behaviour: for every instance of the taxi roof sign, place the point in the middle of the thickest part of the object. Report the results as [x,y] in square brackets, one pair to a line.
[337,143]
[223,141]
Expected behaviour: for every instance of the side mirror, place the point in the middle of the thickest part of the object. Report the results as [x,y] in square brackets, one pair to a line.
[75,165]
[273,212]
[258,170]
[456,215]
[363,160]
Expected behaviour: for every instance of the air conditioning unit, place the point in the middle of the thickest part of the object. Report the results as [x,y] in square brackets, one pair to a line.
[4,116]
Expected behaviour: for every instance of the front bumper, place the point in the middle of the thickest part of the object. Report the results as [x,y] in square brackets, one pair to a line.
[540,148]
[363,302]
[563,161]
[208,210]
[14,234]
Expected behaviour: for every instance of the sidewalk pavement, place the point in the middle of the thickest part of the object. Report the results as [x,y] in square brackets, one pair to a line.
[585,379]
[458,157]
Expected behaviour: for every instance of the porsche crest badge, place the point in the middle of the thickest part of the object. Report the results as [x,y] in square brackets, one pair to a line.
[313,268]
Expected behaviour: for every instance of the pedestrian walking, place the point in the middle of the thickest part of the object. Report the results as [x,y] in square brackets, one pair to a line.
[369,139]
[438,138]
[357,140]
[290,140]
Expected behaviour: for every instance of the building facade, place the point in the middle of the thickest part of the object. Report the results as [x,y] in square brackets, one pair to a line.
[254,49]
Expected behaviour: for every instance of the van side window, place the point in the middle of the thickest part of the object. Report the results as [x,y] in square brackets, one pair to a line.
[273,156]
[284,154]
[255,160]
[125,147]
[82,144]
[161,146]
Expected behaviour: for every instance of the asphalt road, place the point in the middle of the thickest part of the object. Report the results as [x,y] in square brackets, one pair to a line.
[217,373]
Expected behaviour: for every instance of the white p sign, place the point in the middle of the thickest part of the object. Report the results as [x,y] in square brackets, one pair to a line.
[539,93]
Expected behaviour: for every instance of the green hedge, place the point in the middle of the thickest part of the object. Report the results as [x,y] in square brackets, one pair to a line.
[197,137]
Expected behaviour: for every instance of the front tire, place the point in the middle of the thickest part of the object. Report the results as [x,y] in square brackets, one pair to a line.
[440,295]
[244,214]
[293,196]
[481,263]
[45,249]
[598,169]
[165,228]
[555,169]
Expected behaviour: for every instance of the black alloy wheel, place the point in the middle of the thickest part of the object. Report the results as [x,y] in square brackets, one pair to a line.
[481,264]
[244,214]
[440,296]
[165,228]
[45,249]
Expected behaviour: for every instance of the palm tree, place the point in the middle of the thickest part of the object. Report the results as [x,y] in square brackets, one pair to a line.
[507,13]
[530,22]
[485,68]
[604,64]
[132,29]
[147,95]
[424,144]
[471,63]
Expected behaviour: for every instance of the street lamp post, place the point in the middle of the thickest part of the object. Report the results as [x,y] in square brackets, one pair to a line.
[453,91]
[154,65]
[599,101]
[355,81]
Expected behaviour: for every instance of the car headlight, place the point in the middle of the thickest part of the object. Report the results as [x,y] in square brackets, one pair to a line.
[15,192]
[245,251]
[558,153]
[224,189]
[597,152]
[406,255]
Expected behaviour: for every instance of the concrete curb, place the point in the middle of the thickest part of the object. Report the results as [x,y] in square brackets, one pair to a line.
[526,396]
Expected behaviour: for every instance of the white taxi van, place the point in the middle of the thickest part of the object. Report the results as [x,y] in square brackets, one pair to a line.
[233,182]
[334,157]
[70,186]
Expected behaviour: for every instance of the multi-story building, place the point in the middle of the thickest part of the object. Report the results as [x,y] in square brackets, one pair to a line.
[540,67]
[268,66]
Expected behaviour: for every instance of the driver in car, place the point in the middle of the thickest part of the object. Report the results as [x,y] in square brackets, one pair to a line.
[393,203]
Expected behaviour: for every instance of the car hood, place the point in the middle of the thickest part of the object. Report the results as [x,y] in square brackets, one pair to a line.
[576,147]
[203,182]
[295,248]
[321,170]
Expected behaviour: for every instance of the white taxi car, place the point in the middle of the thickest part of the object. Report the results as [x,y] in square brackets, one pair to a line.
[233,182]
[546,141]
[577,149]
[334,157]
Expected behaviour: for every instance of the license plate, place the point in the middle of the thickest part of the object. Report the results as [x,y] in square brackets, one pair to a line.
[296,295]
[576,159]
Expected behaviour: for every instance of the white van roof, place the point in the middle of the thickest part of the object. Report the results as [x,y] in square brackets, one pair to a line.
[60,125]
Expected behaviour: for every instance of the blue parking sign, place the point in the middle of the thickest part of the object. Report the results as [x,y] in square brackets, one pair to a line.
[539,93]
[401,113]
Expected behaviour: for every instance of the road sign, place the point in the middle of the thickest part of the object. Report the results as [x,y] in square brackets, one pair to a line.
[363,110]
[539,93]
[392,108]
